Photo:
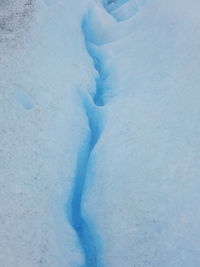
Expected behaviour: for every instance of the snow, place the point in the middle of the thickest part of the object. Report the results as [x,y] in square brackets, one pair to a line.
[99,140]
[45,70]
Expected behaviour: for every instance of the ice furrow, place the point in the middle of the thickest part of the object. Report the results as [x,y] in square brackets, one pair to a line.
[92,105]
[86,233]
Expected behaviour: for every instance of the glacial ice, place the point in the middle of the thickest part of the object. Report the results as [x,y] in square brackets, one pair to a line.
[99,140]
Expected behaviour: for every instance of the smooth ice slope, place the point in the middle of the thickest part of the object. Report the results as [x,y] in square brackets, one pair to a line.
[127,10]
[143,184]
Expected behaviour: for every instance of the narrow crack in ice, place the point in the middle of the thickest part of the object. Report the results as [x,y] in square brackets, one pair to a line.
[85,232]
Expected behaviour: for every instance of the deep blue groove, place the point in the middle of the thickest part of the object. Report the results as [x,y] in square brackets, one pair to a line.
[87,236]
[85,232]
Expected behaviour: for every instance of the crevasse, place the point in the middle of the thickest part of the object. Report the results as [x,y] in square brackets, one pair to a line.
[86,233]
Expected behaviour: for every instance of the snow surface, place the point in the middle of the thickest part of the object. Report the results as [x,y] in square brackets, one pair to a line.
[99,115]
[45,70]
